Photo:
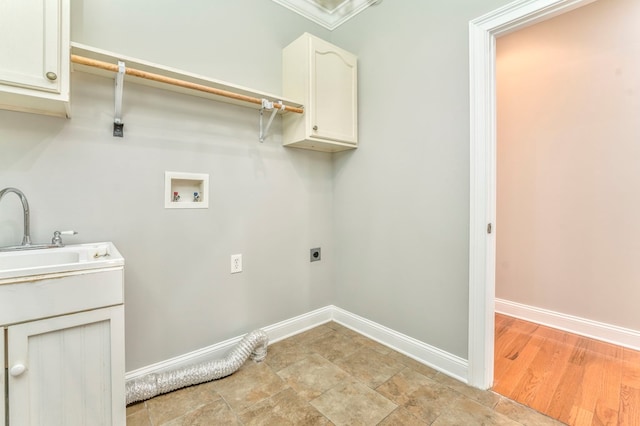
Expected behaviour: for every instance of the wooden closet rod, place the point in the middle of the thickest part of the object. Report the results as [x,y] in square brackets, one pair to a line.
[176,82]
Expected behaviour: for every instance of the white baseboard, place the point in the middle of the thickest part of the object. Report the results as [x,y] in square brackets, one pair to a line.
[584,327]
[440,360]
[297,325]
[276,332]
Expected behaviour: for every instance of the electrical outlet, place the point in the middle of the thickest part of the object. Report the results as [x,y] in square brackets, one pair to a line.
[314,254]
[236,263]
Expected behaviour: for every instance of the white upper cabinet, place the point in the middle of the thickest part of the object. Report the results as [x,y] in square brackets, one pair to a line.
[324,78]
[34,56]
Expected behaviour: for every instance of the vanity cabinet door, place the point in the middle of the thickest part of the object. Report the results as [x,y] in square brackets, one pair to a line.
[68,370]
[3,397]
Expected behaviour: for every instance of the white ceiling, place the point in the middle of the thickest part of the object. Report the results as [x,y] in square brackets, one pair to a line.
[328,13]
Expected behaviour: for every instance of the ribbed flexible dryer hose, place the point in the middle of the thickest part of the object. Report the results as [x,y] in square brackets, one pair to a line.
[253,344]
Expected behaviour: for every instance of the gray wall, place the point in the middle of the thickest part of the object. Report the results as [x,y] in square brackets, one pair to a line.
[568,176]
[269,203]
[401,201]
[392,217]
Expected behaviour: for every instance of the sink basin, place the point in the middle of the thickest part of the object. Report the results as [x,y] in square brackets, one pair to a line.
[25,263]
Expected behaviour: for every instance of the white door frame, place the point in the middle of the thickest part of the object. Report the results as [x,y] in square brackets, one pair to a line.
[482,245]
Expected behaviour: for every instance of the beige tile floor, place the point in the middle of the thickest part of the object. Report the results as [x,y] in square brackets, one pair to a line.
[331,375]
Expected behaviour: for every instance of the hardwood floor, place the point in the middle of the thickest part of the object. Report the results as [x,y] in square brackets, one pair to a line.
[574,379]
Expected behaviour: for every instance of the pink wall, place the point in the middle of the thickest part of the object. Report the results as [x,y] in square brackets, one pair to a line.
[568,219]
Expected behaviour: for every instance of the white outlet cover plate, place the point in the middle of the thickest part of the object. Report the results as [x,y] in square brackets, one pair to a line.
[236,263]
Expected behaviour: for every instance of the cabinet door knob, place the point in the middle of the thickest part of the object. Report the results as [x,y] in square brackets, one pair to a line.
[17,370]
[51,76]
[315,127]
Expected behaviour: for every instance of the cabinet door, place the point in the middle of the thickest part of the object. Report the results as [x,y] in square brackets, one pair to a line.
[3,400]
[31,48]
[334,113]
[73,370]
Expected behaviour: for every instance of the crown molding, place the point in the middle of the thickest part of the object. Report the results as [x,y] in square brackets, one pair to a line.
[324,14]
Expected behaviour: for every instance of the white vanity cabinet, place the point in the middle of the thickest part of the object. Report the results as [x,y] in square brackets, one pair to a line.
[325,78]
[63,338]
[34,56]
[60,370]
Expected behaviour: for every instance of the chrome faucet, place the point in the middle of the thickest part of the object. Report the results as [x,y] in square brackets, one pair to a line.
[26,239]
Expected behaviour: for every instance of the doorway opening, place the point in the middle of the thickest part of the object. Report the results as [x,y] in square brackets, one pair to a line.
[566,171]
[483,32]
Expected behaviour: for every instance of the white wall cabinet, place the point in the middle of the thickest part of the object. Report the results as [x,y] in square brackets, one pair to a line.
[34,56]
[325,78]
[63,338]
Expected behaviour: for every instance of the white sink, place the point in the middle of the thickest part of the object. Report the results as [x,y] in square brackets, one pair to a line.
[24,263]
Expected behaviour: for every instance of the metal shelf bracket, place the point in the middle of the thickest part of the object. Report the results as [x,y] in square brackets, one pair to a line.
[268,105]
[118,125]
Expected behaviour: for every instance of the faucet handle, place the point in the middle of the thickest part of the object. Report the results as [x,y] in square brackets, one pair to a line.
[57,239]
